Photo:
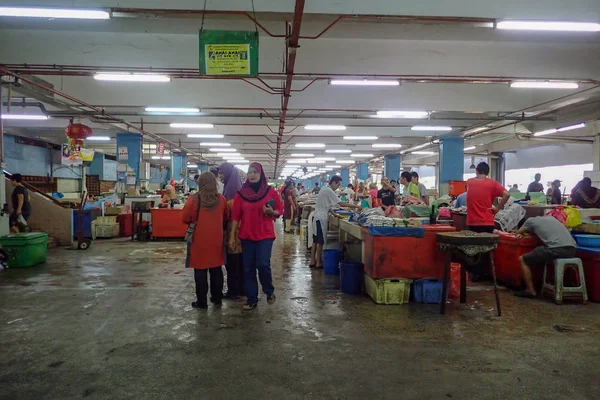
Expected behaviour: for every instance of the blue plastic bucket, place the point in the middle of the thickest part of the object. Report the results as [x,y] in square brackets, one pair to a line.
[331,260]
[351,275]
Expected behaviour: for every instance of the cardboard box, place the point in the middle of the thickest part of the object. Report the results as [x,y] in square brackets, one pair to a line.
[115,210]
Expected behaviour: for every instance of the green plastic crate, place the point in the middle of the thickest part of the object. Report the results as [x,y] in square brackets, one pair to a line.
[25,249]
[388,291]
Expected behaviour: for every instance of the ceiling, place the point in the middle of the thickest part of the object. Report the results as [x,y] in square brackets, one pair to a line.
[458,69]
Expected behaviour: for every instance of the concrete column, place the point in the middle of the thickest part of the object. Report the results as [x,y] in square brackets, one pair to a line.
[391,167]
[452,157]
[345,174]
[133,143]
[178,166]
[597,151]
[362,171]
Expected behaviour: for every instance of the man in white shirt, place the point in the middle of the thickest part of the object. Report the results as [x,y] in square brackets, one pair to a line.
[325,200]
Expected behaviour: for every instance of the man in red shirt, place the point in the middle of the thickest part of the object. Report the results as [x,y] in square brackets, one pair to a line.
[481,192]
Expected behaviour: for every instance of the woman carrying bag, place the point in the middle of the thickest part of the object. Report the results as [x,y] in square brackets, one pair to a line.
[206,214]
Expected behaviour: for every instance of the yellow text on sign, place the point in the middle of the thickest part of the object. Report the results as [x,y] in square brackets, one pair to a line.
[227,59]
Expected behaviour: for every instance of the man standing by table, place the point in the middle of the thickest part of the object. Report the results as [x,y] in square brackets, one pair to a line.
[536,186]
[387,194]
[558,243]
[481,192]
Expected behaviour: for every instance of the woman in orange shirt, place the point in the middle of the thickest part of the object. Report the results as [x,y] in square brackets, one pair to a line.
[208,210]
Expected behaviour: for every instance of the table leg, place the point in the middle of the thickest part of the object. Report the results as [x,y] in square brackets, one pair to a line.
[445,283]
[132,225]
[491,255]
[463,283]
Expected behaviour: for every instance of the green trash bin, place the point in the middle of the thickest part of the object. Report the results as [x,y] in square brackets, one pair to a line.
[25,249]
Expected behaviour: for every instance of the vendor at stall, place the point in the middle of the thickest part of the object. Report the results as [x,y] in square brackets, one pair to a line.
[361,191]
[558,243]
[409,188]
[386,196]
[422,189]
[556,196]
[481,194]
[316,189]
[536,186]
[585,195]
[169,195]
[326,199]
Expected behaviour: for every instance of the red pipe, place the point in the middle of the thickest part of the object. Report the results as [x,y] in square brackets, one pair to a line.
[292,46]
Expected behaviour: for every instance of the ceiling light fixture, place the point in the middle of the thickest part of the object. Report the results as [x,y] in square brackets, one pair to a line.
[302,155]
[546,132]
[361,155]
[221,150]
[208,144]
[128,77]
[559,26]
[469,148]
[360,138]
[310,145]
[189,125]
[544,85]
[386,146]
[99,138]
[228,155]
[35,12]
[363,82]
[325,127]
[571,127]
[423,153]
[165,158]
[338,151]
[333,166]
[203,136]
[25,117]
[345,161]
[322,159]
[178,110]
[430,128]
[403,114]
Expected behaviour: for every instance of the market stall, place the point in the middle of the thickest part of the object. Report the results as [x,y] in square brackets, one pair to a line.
[166,223]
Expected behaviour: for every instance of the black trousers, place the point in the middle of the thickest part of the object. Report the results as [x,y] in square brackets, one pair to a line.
[235,275]
[216,284]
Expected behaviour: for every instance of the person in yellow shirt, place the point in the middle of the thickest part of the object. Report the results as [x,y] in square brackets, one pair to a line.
[409,187]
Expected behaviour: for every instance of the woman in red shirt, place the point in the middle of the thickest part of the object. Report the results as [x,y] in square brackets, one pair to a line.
[255,208]
[208,209]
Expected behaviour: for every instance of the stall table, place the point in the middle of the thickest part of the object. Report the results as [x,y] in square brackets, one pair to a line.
[404,257]
[351,237]
[166,223]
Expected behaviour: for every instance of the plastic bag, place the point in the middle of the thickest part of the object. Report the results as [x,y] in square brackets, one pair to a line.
[573,217]
[509,217]
[559,214]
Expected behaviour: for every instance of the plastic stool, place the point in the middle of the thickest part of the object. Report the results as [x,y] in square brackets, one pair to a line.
[557,290]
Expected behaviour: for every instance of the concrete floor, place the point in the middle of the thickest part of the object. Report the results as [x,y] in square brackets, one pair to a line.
[115,322]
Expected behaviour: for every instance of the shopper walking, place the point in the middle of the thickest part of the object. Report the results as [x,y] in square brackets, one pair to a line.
[289,205]
[206,212]
[255,208]
[232,183]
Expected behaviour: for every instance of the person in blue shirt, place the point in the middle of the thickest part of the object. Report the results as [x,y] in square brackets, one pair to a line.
[461,200]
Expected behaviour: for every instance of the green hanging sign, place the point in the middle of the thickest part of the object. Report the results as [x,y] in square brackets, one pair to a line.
[229,53]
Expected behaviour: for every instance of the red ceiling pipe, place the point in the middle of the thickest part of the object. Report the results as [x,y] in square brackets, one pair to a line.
[292,46]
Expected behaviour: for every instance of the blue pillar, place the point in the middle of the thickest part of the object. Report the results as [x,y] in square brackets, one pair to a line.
[391,166]
[97,166]
[362,171]
[452,156]
[133,143]
[178,166]
[345,174]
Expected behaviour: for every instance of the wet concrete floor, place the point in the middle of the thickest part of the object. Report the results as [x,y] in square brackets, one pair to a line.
[115,322]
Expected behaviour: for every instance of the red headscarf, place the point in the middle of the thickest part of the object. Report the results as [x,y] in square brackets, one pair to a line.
[253,192]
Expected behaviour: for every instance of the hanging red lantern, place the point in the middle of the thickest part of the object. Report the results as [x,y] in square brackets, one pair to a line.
[77,133]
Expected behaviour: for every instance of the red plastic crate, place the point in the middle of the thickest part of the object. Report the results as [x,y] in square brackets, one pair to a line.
[506,258]
[591,268]
[125,225]
[404,257]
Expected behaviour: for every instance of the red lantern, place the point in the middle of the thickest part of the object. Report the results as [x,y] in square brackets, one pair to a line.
[77,133]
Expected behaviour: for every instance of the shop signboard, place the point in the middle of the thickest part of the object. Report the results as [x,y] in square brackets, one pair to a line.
[229,53]
[123,153]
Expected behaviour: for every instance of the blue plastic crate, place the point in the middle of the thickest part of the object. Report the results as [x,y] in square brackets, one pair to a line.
[585,240]
[428,291]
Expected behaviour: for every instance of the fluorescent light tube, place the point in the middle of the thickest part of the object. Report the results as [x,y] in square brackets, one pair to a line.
[363,82]
[188,125]
[126,77]
[559,26]
[571,127]
[228,154]
[403,114]
[338,151]
[423,153]
[180,110]
[302,155]
[325,127]
[345,161]
[544,85]
[25,117]
[98,138]
[208,144]
[469,148]
[218,149]
[546,132]
[430,128]
[52,13]
[203,136]
[386,145]
[310,145]
[333,166]
[361,155]
[360,137]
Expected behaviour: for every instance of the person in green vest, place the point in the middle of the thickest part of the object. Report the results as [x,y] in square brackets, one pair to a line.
[409,188]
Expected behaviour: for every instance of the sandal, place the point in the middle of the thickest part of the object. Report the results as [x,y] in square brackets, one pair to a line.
[249,307]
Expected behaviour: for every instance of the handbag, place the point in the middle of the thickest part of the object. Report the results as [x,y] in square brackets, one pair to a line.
[189,232]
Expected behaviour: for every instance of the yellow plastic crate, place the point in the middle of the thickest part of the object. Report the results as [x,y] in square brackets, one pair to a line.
[388,291]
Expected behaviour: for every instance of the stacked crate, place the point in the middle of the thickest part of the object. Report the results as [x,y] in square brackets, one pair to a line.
[105,227]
